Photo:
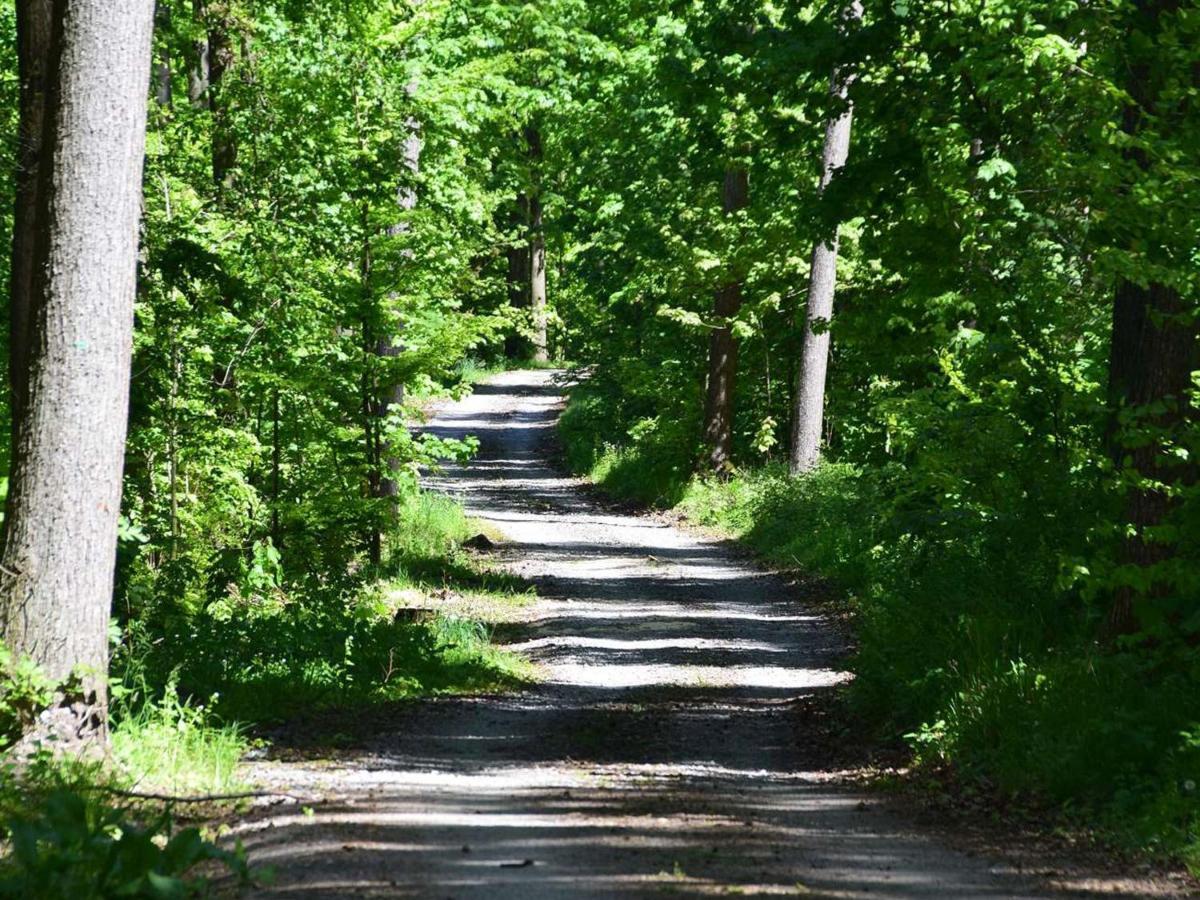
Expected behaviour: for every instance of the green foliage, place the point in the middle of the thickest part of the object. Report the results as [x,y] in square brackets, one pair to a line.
[174,747]
[966,644]
[272,649]
[267,651]
[69,847]
[301,271]
[64,839]
[1000,183]
[645,458]
[262,411]
[431,528]
[24,692]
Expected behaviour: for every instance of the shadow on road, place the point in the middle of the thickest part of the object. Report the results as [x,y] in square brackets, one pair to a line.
[663,753]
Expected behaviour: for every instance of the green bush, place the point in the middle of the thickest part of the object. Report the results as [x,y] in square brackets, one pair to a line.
[62,840]
[269,648]
[70,847]
[650,461]
[176,747]
[971,642]
[24,692]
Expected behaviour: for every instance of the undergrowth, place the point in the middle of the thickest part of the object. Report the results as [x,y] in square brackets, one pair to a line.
[473,370]
[971,646]
[183,706]
[261,655]
[174,747]
[71,827]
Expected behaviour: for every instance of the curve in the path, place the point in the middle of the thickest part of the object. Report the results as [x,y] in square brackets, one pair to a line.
[660,755]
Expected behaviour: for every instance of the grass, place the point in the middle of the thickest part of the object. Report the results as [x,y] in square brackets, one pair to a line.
[473,371]
[319,645]
[653,468]
[176,748]
[968,645]
[65,834]
[70,830]
[184,706]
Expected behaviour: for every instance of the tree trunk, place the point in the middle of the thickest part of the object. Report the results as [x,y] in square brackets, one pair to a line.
[1153,353]
[34,26]
[215,60]
[519,290]
[388,397]
[370,347]
[723,345]
[60,531]
[198,75]
[537,280]
[276,474]
[537,247]
[808,414]
[163,93]
[391,394]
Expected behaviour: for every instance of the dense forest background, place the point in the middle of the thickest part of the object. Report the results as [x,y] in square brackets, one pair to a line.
[351,208]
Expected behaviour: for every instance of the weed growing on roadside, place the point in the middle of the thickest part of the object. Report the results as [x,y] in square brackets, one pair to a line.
[67,834]
[335,643]
[174,747]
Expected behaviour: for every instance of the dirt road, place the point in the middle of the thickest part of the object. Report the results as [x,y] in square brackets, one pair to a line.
[661,755]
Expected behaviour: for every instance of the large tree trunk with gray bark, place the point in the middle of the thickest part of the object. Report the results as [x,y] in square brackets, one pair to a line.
[537,247]
[808,414]
[34,28]
[60,529]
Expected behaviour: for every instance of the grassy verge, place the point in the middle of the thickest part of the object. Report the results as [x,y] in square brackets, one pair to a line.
[63,838]
[473,371]
[417,626]
[77,827]
[177,748]
[969,645]
[189,691]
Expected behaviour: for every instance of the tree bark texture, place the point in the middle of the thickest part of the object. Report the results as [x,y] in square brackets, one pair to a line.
[537,280]
[723,345]
[1153,353]
[391,394]
[163,92]
[34,28]
[537,248]
[808,414]
[518,273]
[56,579]
[215,61]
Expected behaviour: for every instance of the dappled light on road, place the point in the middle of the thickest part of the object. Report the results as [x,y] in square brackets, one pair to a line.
[661,752]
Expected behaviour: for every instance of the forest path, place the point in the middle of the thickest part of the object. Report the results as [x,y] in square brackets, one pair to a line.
[662,753]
